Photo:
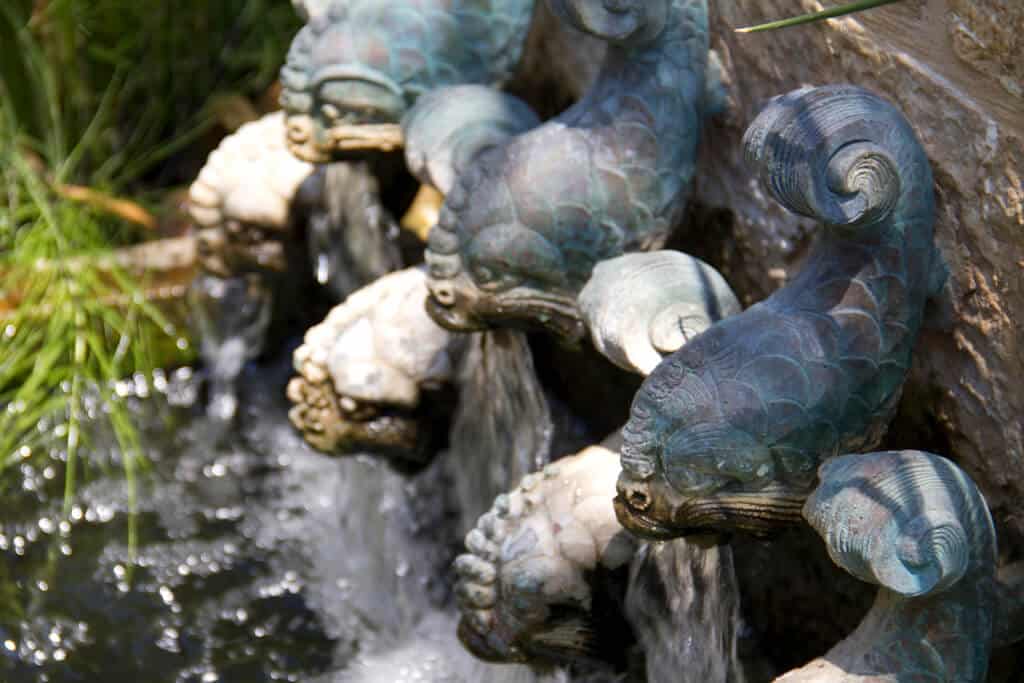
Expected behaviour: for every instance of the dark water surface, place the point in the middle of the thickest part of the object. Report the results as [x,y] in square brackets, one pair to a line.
[254,562]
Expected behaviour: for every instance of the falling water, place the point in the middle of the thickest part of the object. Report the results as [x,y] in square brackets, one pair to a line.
[683,602]
[352,240]
[232,316]
[502,429]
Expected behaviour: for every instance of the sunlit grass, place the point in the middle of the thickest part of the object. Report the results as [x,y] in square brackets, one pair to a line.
[104,106]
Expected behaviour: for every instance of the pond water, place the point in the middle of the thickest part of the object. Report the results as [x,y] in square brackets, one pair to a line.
[257,560]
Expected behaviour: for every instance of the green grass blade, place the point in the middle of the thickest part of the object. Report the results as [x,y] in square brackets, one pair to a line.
[840,11]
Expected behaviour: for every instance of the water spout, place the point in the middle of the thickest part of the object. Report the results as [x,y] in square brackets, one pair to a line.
[683,602]
[502,429]
[231,316]
[353,238]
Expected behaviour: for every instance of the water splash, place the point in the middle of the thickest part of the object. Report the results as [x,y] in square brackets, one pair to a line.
[683,602]
[502,429]
[259,560]
[430,654]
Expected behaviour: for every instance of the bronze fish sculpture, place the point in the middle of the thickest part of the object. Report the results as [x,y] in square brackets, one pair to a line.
[526,222]
[367,61]
[729,431]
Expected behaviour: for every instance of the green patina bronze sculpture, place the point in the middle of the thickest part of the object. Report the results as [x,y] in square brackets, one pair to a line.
[728,432]
[365,62]
[752,406]
[527,221]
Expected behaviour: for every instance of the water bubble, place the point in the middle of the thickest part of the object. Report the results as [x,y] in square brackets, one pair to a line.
[159,380]
[59,655]
[10,645]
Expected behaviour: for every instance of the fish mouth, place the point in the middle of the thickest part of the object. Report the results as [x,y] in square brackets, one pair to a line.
[309,153]
[556,315]
[641,524]
[563,640]
[644,506]
[756,513]
[303,135]
[308,140]
[452,318]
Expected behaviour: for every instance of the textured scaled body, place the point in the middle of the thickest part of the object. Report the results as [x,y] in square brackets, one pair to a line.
[917,526]
[450,126]
[366,61]
[364,369]
[525,224]
[729,431]
[248,198]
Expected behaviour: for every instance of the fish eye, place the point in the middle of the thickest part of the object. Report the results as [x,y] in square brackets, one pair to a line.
[483,274]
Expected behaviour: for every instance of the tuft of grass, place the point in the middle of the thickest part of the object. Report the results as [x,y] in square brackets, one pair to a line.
[812,17]
[101,101]
[78,323]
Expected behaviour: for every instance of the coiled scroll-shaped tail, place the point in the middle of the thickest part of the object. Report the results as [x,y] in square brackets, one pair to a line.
[834,153]
[917,526]
[449,127]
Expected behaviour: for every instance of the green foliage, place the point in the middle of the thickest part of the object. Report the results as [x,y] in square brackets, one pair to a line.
[79,324]
[840,11]
[112,95]
[109,89]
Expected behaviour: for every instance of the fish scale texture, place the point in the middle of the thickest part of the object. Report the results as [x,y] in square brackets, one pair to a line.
[815,370]
[608,175]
